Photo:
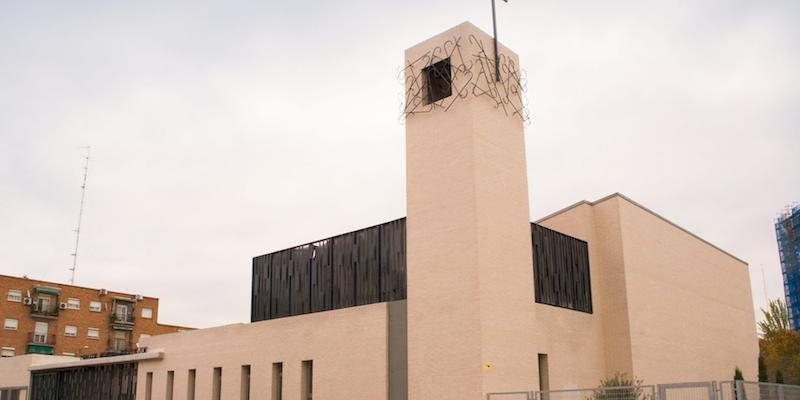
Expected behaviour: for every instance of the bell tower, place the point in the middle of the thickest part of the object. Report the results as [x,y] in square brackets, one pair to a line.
[470,280]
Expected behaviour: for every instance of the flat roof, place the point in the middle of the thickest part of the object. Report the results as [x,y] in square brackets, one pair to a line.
[150,355]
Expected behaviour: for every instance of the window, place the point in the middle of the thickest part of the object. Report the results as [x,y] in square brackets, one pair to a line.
[70,330]
[190,384]
[277,381]
[10,394]
[147,313]
[7,352]
[148,386]
[42,303]
[121,340]
[11,324]
[216,384]
[544,373]
[95,306]
[170,384]
[93,333]
[14,295]
[73,304]
[123,311]
[40,332]
[307,380]
[439,80]
[245,386]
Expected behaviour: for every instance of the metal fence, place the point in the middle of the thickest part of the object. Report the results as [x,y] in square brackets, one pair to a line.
[711,390]
[688,391]
[602,393]
[743,390]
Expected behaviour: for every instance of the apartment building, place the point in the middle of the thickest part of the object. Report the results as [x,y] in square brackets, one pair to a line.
[50,318]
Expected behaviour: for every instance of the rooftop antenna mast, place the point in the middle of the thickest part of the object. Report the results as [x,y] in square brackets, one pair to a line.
[80,217]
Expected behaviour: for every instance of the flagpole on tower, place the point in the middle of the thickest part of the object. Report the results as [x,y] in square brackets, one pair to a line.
[496,53]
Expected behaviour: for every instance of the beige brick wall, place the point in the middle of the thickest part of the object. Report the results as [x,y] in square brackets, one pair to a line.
[349,349]
[673,307]
[14,370]
[690,304]
[470,295]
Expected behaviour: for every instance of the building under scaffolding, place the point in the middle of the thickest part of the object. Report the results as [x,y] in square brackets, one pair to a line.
[787,229]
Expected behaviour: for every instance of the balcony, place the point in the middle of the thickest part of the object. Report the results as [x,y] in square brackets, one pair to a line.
[39,343]
[119,347]
[39,310]
[122,321]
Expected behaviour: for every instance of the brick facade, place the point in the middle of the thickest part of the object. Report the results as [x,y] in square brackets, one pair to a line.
[119,321]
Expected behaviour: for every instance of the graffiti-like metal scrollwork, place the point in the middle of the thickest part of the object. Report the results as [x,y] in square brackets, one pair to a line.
[471,75]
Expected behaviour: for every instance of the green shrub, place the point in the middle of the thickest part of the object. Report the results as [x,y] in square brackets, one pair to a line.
[620,387]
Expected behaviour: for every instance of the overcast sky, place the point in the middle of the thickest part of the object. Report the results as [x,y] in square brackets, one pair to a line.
[224,130]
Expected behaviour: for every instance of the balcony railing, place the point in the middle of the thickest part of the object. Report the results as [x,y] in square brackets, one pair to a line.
[119,347]
[41,339]
[44,312]
[122,320]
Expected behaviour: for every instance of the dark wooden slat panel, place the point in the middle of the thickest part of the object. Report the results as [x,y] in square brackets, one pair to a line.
[361,267]
[561,270]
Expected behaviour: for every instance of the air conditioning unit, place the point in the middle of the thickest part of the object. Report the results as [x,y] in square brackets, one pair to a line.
[103,292]
[27,301]
[139,297]
[62,306]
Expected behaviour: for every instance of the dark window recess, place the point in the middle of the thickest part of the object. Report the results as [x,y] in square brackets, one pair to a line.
[561,270]
[190,384]
[216,384]
[438,80]
[362,267]
[277,381]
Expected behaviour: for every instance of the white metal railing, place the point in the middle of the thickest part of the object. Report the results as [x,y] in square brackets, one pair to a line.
[710,390]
